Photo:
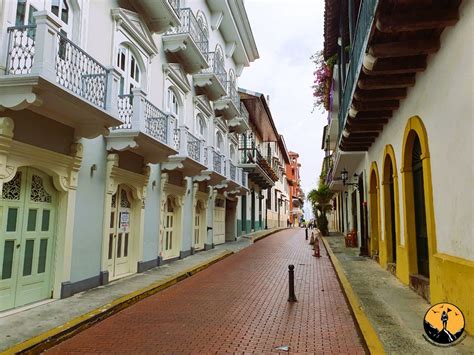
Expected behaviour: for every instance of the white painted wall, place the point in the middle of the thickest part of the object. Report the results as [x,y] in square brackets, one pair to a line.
[442,98]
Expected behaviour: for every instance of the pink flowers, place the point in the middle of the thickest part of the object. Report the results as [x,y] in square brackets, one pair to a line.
[322,81]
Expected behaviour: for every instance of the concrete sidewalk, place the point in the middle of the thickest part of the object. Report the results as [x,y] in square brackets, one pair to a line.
[395,311]
[42,321]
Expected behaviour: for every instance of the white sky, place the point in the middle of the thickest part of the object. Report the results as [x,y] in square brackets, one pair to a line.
[287,33]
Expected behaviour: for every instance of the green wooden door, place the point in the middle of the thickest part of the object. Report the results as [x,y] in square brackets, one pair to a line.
[27,217]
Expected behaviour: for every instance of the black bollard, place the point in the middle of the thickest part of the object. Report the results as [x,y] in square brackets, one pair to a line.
[306,233]
[291,286]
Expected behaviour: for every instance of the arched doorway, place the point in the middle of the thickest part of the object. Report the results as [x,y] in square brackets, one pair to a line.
[170,245]
[420,210]
[418,206]
[120,236]
[27,238]
[199,235]
[389,211]
[374,199]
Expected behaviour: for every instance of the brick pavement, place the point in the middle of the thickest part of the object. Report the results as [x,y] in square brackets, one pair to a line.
[237,305]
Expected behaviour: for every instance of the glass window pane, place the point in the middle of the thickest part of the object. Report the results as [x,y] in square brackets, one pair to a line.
[31,11]
[45,220]
[42,255]
[112,220]
[28,260]
[132,68]
[119,245]
[55,7]
[8,259]
[65,12]
[11,219]
[31,227]
[20,13]
[111,245]
[125,247]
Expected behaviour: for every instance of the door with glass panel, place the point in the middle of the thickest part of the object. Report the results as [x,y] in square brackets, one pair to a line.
[27,217]
[119,233]
[198,224]
[169,243]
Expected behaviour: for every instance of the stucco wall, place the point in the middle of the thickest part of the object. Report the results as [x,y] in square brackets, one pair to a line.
[89,214]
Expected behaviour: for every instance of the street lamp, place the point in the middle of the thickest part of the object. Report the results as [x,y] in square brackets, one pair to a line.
[345,177]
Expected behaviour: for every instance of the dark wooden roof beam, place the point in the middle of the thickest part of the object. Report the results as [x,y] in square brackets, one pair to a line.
[380,95]
[403,65]
[375,105]
[404,48]
[415,21]
[365,128]
[356,121]
[374,114]
[387,82]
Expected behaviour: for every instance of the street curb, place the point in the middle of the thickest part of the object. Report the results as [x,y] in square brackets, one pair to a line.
[60,333]
[269,234]
[371,338]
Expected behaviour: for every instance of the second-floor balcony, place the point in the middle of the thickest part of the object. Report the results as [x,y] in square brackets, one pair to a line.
[161,14]
[213,80]
[146,130]
[228,106]
[53,77]
[187,43]
[191,157]
[258,169]
[241,123]
[221,172]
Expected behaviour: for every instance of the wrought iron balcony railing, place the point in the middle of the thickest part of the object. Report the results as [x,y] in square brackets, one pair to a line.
[217,163]
[74,69]
[356,57]
[232,171]
[190,25]
[138,113]
[217,67]
[194,147]
[244,113]
[233,94]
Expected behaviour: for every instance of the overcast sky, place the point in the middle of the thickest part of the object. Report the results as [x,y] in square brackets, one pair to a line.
[287,33]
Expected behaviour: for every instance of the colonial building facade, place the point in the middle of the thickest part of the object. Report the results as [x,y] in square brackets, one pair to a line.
[119,136]
[296,193]
[400,136]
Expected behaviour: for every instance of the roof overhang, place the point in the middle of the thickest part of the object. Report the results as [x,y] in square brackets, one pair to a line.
[236,30]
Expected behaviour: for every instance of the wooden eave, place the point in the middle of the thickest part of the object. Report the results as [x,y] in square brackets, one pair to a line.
[404,34]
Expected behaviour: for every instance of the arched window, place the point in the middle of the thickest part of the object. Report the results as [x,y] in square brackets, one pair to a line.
[201,127]
[232,77]
[173,103]
[63,12]
[127,65]
[232,152]
[202,23]
[219,141]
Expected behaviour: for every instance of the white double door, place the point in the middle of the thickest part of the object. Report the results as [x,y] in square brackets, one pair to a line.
[28,208]
[120,241]
[219,225]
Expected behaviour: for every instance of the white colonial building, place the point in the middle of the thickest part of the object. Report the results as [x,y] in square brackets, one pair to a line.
[119,138]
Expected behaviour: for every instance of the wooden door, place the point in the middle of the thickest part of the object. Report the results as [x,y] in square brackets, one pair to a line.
[27,216]
[119,233]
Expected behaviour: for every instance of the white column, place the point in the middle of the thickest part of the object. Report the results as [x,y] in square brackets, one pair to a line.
[46,45]
[138,117]
[113,87]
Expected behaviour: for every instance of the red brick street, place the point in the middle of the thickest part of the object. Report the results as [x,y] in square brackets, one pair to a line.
[237,305]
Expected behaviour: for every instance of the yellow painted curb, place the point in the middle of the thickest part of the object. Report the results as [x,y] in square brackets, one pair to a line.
[60,333]
[368,332]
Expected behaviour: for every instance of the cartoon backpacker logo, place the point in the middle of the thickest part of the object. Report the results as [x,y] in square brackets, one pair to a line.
[444,324]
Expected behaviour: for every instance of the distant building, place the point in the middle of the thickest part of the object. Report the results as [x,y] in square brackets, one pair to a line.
[296,193]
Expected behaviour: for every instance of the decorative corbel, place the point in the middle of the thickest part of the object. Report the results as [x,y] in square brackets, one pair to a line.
[6,136]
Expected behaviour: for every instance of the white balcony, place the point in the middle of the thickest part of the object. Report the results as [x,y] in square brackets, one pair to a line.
[188,43]
[146,130]
[229,105]
[161,15]
[190,159]
[51,76]
[212,81]
[241,123]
